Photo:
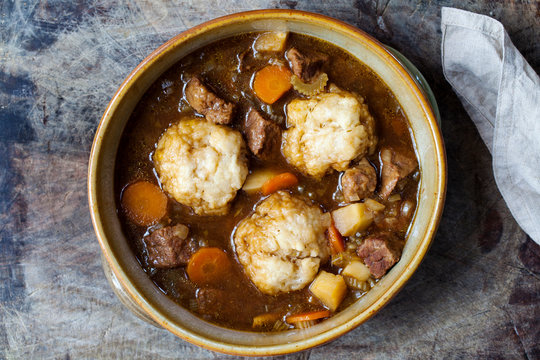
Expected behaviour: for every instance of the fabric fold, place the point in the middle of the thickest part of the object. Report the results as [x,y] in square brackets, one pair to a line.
[501,93]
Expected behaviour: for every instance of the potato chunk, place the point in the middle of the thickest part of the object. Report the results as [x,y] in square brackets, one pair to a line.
[257,178]
[356,269]
[271,41]
[352,218]
[330,289]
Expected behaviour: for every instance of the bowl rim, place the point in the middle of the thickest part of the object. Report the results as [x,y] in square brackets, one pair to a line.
[386,296]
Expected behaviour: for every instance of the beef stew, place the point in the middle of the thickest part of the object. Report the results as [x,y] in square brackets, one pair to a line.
[259,168]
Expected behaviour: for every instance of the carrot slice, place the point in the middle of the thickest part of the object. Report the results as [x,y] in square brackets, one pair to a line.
[144,203]
[308,316]
[278,182]
[271,82]
[337,244]
[208,266]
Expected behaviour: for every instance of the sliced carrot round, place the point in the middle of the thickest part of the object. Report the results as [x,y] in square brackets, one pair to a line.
[144,203]
[308,316]
[278,182]
[208,266]
[271,82]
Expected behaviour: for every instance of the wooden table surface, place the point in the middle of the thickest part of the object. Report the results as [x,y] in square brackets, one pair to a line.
[476,295]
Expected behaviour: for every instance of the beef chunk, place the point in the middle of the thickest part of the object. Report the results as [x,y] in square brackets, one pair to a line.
[306,67]
[395,166]
[263,136]
[359,182]
[217,303]
[380,252]
[207,103]
[167,247]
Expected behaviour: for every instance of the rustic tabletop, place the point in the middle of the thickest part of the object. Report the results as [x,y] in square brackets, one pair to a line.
[476,295]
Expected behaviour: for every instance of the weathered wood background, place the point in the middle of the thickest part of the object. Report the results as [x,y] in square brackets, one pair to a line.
[476,295]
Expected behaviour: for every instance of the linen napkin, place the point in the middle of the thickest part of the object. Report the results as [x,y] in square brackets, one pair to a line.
[501,93]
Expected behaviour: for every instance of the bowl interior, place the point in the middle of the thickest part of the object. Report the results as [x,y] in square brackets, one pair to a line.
[126,267]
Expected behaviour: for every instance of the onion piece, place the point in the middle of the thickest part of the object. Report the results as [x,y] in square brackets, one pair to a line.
[406,208]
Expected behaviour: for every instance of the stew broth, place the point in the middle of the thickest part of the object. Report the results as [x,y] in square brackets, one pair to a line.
[229,65]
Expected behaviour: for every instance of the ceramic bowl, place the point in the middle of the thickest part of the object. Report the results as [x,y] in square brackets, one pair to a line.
[135,288]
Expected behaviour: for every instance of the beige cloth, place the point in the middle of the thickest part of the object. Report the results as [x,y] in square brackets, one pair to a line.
[501,93]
